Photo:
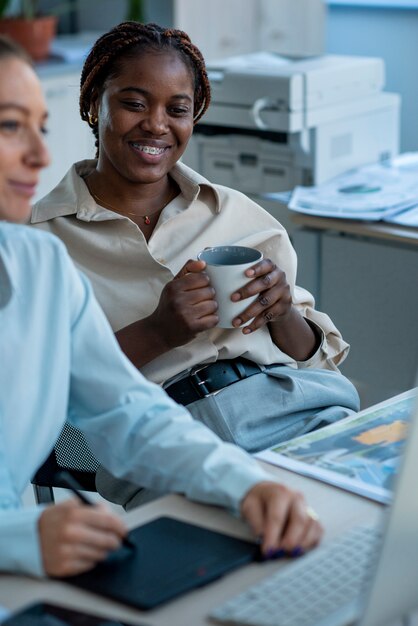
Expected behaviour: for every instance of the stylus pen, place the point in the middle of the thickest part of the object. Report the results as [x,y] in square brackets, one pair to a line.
[67,481]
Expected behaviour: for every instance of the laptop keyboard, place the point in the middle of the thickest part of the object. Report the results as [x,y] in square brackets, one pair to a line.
[326,582]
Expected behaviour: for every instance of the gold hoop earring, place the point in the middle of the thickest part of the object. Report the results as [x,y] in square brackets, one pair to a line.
[92,119]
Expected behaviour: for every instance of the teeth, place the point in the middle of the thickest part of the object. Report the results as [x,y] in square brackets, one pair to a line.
[149,149]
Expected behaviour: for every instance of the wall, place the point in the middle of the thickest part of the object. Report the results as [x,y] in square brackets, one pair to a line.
[114,11]
[388,33]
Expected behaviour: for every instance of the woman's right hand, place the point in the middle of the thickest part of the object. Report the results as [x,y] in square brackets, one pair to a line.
[187,306]
[74,537]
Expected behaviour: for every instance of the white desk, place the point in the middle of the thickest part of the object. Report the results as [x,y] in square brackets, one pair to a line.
[339,510]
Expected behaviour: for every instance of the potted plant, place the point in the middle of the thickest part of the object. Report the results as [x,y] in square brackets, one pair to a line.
[135,11]
[32,30]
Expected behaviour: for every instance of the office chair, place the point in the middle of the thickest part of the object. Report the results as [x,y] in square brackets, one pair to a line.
[70,453]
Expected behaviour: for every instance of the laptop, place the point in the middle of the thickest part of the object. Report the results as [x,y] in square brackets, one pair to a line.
[393,588]
[368,576]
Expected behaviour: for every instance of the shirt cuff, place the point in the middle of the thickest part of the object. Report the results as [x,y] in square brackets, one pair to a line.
[19,541]
[320,354]
[244,484]
[231,481]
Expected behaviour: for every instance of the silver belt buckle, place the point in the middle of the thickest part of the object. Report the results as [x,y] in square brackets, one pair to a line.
[200,385]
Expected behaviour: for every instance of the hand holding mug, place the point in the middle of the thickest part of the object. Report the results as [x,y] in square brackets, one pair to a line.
[186,307]
[270,293]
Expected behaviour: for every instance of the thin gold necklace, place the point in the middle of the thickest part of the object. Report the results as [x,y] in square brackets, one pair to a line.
[146,218]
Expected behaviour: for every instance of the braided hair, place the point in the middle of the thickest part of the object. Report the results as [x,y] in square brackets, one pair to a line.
[128,39]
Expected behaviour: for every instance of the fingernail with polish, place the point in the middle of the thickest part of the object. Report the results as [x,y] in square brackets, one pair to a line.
[298,551]
[275,554]
[279,554]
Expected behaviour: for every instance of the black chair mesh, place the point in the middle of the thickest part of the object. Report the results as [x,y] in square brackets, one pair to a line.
[71,452]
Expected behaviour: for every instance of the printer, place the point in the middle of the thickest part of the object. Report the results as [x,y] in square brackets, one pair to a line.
[276,122]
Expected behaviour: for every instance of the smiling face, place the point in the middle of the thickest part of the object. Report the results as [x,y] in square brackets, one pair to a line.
[145,118]
[23,152]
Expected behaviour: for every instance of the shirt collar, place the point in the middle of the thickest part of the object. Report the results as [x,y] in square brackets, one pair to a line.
[190,183]
[72,197]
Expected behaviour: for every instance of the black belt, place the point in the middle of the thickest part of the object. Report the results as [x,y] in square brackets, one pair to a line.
[206,379]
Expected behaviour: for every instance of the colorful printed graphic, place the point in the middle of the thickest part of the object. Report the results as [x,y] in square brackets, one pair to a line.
[360,453]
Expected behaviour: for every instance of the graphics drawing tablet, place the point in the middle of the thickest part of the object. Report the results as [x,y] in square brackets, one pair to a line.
[170,557]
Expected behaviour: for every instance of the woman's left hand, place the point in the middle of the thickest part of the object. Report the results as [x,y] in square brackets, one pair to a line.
[274,301]
[280,517]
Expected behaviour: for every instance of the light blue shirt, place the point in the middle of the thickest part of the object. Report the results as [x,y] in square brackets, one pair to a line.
[59,360]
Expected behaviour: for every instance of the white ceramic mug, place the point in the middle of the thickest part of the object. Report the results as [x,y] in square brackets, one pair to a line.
[225,266]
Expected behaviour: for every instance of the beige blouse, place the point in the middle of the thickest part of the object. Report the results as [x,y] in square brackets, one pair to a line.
[128,274]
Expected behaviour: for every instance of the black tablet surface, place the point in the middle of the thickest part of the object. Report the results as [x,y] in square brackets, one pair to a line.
[169,558]
[45,614]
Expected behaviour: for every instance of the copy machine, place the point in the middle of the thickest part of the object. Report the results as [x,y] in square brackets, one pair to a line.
[274,122]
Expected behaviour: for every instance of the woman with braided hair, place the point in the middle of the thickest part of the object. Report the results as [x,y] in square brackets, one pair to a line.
[69,366]
[134,220]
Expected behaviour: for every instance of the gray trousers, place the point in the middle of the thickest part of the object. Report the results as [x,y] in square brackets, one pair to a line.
[257,413]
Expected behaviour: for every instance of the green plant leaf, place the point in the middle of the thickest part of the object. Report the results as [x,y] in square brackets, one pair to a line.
[29,8]
[3,6]
[135,11]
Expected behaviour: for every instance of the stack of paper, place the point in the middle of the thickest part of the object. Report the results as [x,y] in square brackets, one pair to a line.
[385,191]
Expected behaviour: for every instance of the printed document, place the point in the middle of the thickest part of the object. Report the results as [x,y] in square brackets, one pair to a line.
[359,453]
[384,191]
